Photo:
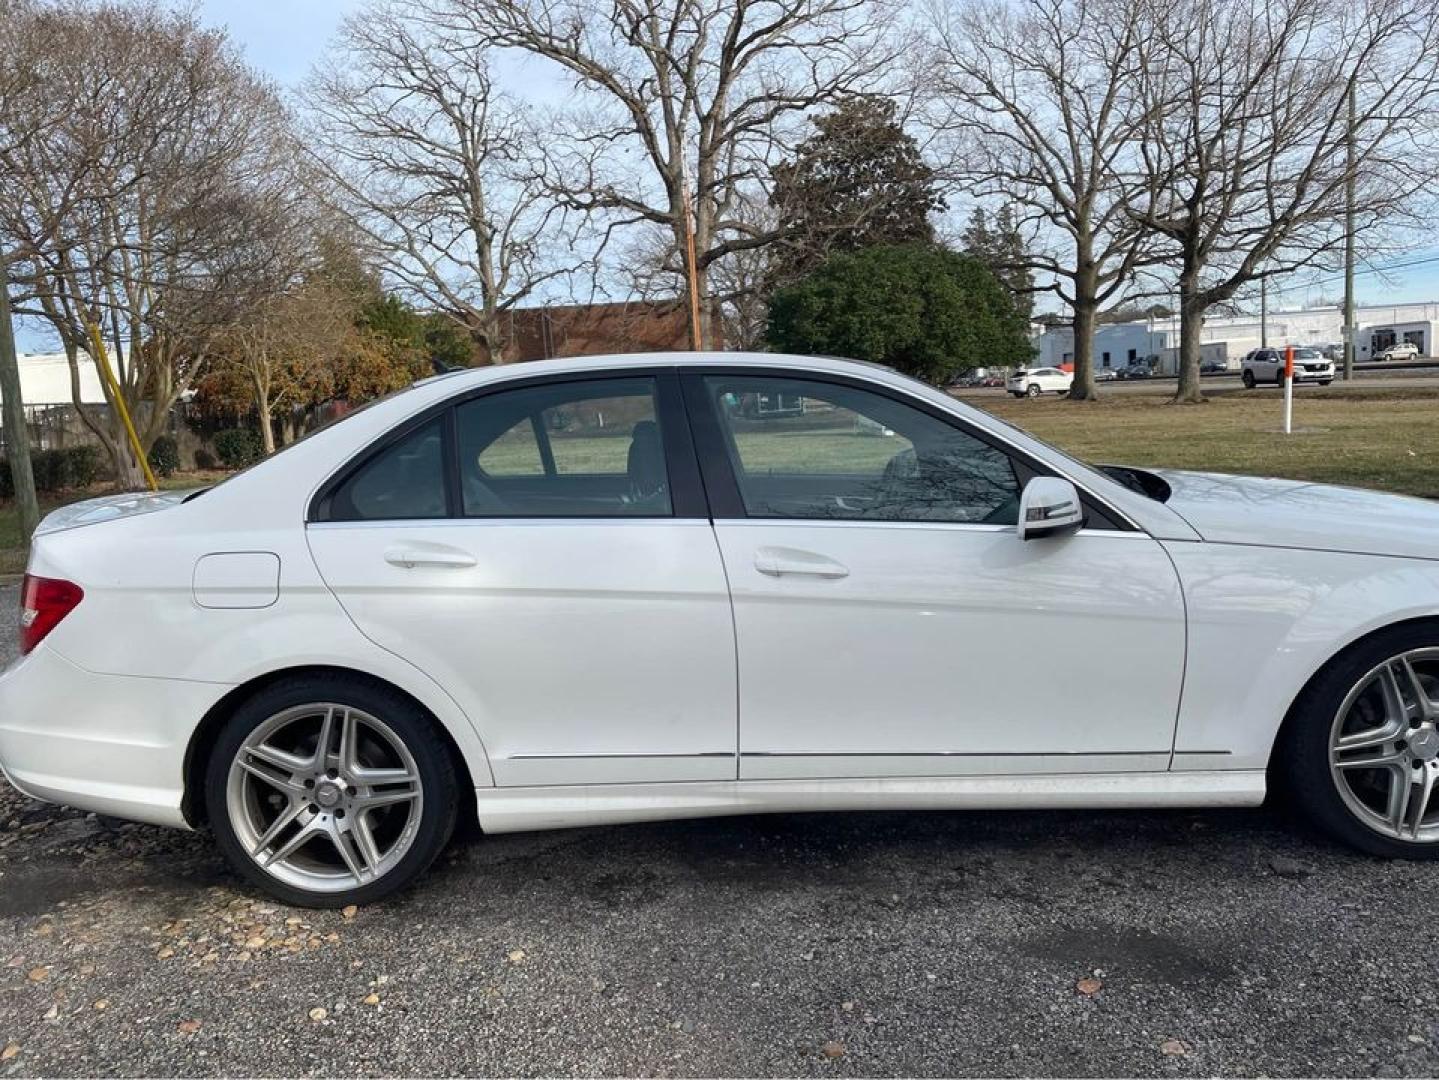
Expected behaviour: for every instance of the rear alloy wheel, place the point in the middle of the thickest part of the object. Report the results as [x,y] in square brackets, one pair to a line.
[1248,380]
[1363,756]
[1033,390]
[326,794]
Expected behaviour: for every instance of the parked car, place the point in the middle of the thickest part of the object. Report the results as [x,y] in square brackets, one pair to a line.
[1031,382]
[448,603]
[1267,365]
[1137,370]
[1105,375]
[1213,367]
[992,381]
[1401,350]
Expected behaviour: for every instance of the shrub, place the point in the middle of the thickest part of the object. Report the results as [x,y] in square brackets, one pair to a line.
[204,459]
[55,470]
[165,456]
[918,308]
[238,447]
[81,466]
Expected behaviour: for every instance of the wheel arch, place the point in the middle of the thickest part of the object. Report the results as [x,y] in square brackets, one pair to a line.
[1287,723]
[202,739]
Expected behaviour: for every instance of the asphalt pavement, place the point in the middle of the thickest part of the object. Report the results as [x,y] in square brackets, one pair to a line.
[820,945]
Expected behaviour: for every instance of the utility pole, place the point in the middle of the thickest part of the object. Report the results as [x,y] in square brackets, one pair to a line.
[1349,329]
[1264,313]
[691,273]
[17,437]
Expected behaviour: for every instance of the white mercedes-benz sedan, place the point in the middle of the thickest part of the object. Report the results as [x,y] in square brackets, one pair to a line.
[657,586]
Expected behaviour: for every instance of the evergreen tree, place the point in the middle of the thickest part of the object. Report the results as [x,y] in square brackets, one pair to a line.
[858,182]
[1001,247]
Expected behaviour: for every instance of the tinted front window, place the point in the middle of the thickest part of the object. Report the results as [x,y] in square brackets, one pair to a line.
[837,452]
[404,480]
[580,449]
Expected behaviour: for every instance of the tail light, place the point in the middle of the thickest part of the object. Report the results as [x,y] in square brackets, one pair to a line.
[44,602]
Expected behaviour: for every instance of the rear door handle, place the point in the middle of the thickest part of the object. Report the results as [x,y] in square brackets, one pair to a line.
[410,556]
[778,561]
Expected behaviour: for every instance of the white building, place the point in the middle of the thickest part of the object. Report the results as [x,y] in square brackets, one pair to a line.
[45,379]
[1226,338]
[1116,345]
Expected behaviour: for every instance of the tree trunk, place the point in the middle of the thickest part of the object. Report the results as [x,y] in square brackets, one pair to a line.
[128,474]
[706,309]
[1191,322]
[17,436]
[1086,308]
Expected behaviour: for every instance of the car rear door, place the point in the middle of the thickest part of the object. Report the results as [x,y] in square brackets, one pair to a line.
[543,550]
[889,619]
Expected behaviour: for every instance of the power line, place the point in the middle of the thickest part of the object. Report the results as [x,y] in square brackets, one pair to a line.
[1367,270]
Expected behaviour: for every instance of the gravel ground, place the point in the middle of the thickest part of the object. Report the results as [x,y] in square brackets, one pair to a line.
[897,944]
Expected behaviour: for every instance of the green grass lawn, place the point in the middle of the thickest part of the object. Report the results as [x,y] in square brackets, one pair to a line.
[1387,440]
[1382,439]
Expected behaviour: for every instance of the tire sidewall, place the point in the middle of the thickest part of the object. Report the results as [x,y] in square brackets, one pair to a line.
[403,717]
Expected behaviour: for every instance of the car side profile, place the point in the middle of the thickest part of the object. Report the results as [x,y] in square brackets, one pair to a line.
[1401,350]
[1031,382]
[1267,365]
[632,588]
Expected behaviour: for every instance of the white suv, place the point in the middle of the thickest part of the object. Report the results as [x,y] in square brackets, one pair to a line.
[1032,382]
[1267,365]
[1400,350]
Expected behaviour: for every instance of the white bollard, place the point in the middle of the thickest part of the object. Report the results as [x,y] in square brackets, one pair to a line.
[1288,389]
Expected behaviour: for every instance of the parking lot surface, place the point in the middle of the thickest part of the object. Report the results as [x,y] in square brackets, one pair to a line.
[855,944]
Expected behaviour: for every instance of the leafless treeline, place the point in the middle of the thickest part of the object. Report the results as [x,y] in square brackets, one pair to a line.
[155,192]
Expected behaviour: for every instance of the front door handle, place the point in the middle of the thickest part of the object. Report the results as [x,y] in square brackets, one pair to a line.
[778,561]
[410,556]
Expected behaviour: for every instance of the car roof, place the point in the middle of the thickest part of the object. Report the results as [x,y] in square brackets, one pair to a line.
[611,361]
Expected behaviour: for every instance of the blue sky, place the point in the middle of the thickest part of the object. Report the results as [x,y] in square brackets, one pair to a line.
[280,37]
[283,38]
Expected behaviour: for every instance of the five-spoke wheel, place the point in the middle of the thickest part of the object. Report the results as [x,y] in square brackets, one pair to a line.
[328,797]
[1384,748]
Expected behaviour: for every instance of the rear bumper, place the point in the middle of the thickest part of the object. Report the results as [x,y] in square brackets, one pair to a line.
[112,744]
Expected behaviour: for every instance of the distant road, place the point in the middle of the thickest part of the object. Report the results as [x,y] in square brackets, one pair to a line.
[1369,377]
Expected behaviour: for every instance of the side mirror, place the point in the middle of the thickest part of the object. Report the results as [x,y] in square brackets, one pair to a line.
[1049,506]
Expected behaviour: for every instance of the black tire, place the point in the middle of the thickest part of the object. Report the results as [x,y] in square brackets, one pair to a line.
[1301,763]
[421,738]
[1034,391]
[1325,382]
[1247,379]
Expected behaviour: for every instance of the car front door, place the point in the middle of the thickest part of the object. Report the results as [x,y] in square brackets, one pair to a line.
[888,617]
[543,551]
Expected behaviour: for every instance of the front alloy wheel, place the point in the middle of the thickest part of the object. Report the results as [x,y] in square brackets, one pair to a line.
[1359,752]
[326,798]
[1384,747]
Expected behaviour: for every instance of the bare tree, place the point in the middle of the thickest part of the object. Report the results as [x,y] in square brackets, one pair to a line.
[1037,102]
[444,175]
[135,211]
[1249,157]
[686,94]
[16,79]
